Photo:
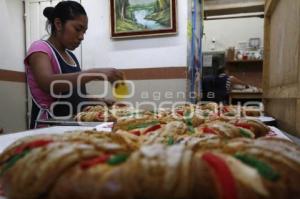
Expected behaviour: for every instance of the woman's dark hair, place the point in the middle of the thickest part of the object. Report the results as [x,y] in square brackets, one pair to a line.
[65,10]
[221,70]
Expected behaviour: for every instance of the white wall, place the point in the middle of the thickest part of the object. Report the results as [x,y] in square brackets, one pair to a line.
[229,32]
[99,50]
[12,106]
[157,92]
[12,51]
[12,46]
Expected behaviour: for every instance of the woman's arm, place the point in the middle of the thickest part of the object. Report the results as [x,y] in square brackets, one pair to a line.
[42,71]
[235,80]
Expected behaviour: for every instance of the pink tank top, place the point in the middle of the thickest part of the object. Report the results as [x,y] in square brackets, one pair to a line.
[41,98]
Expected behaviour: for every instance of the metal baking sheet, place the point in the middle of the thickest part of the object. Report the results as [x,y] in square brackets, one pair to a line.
[51,122]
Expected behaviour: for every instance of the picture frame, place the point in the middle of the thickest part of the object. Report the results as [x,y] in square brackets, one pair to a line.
[140,18]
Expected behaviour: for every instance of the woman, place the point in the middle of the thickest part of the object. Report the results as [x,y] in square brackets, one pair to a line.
[49,61]
[216,88]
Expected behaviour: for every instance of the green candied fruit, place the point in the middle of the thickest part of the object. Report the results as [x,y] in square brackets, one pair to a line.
[245,133]
[205,114]
[263,168]
[191,130]
[170,141]
[117,159]
[154,112]
[12,161]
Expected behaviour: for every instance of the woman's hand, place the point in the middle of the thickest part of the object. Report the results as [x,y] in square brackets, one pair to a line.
[108,102]
[111,74]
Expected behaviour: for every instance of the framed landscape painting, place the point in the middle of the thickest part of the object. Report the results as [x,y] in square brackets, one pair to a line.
[134,18]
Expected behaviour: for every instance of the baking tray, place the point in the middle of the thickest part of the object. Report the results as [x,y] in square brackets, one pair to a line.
[53,122]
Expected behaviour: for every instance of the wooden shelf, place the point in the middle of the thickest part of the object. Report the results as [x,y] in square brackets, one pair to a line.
[244,95]
[218,7]
[245,61]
